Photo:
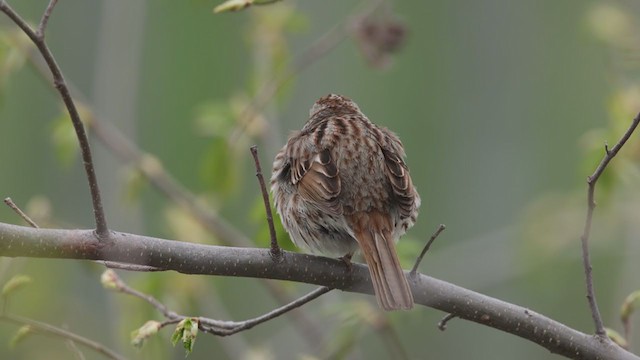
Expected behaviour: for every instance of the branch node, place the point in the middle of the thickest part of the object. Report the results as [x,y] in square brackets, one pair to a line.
[442,324]
[45,19]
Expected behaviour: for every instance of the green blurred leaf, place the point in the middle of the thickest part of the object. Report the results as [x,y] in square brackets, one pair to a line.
[20,335]
[611,24]
[110,280]
[617,338]
[629,305]
[215,119]
[185,227]
[186,331]
[14,44]
[64,140]
[15,283]
[134,183]
[220,168]
[140,335]
[258,216]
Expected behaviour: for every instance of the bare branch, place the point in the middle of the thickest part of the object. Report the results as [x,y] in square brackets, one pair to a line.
[59,83]
[275,248]
[235,327]
[191,258]
[51,330]
[591,205]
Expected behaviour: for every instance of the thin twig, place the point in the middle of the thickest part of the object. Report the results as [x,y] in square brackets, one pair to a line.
[610,153]
[20,213]
[75,350]
[440,229]
[276,252]
[59,83]
[45,18]
[162,308]
[442,324]
[219,327]
[48,329]
[248,324]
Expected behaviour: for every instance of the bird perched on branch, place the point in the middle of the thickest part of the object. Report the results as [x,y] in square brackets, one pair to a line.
[341,184]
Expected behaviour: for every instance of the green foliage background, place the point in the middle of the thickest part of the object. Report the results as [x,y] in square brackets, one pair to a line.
[503,107]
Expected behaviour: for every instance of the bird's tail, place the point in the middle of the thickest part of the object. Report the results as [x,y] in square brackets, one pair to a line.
[373,232]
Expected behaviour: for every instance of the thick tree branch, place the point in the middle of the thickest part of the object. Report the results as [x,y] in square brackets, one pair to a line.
[189,258]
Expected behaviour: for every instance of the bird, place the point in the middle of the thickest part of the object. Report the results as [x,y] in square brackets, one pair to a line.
[340,185]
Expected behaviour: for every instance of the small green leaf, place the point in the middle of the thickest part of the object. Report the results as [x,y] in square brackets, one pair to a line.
[15,283]
[144,332]
[187,331]
[617,338]
[110,280]
[631,302]
[20,335]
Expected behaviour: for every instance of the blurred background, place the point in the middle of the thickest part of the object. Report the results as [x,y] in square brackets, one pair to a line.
[504,108]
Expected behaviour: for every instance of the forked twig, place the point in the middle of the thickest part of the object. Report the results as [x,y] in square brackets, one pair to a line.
[216,327]
[276,252]
[45,18]
[610,153]
[37,37]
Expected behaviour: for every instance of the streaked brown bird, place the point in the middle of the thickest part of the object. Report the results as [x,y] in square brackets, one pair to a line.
[341,184]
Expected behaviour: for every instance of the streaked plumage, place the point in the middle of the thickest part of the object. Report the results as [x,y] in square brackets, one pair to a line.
[341,184]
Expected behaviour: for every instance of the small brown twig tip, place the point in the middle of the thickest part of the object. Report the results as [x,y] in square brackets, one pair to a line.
[20,213]
[440,229]
[276,252]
